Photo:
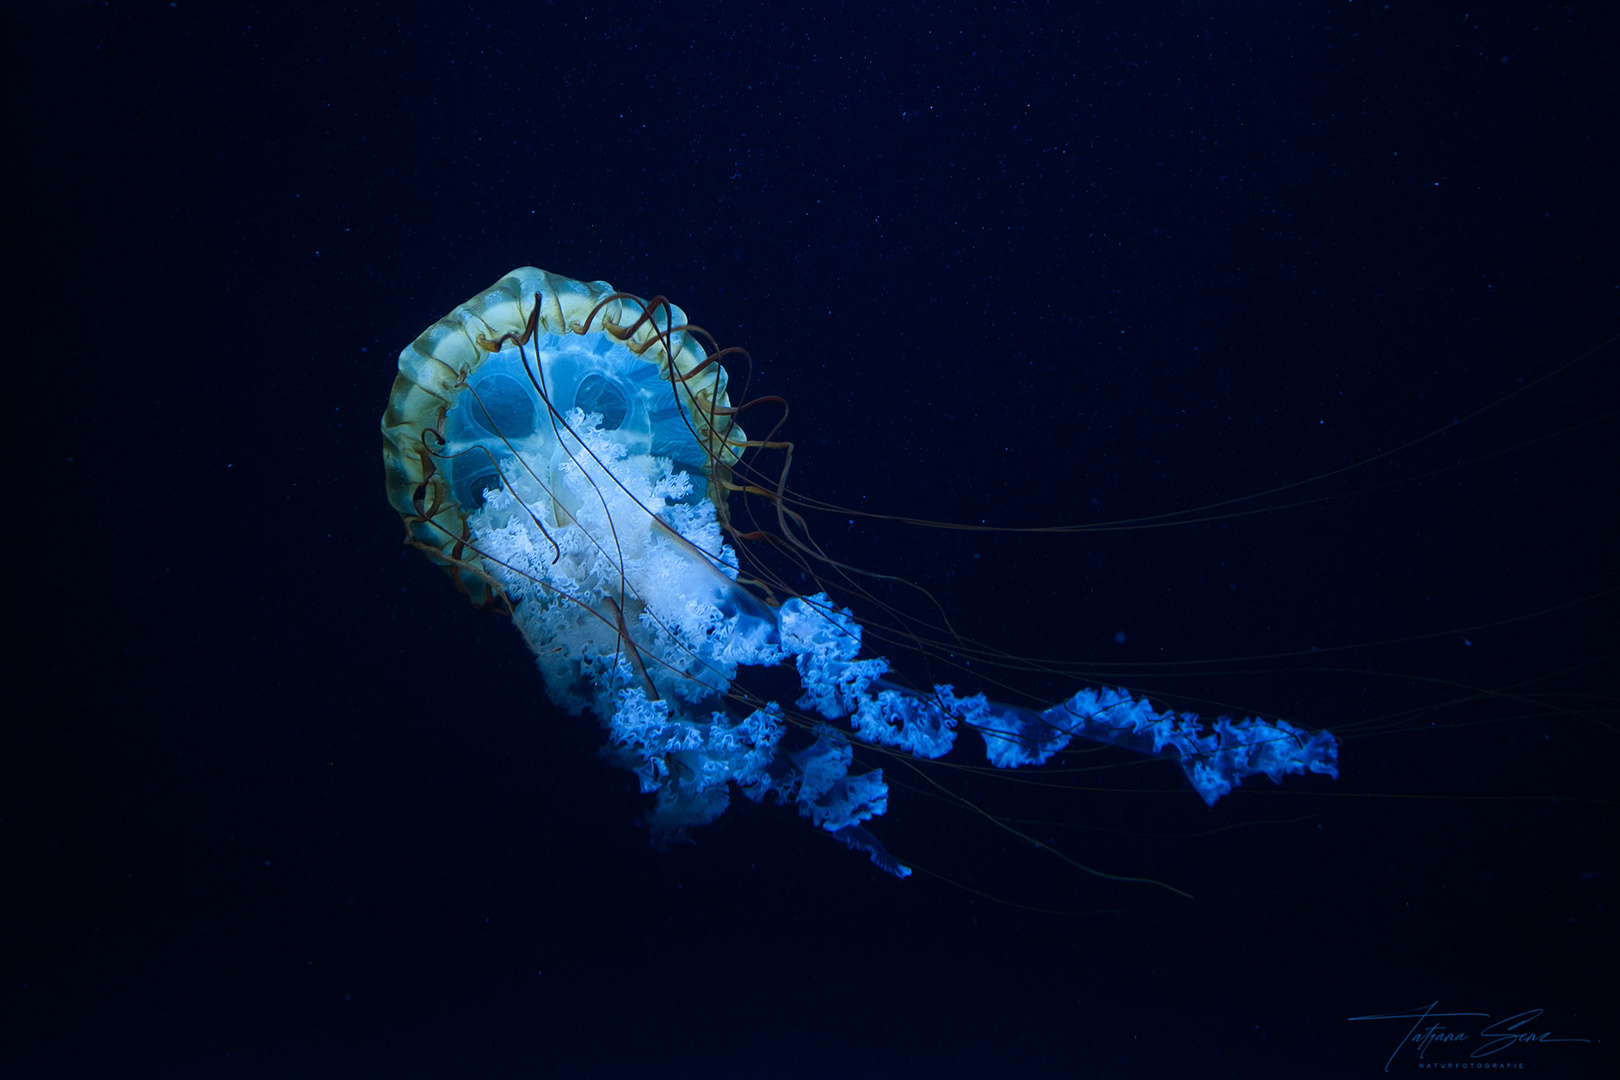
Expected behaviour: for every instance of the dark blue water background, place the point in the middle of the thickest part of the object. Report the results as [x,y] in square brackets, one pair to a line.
[281,804]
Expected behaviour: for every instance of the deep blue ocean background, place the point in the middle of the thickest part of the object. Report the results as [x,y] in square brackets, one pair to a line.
[1319,299]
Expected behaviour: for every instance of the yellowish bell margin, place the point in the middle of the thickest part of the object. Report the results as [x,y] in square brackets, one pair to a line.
[434,369]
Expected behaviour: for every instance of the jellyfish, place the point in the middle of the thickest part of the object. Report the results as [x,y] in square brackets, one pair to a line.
[566,452]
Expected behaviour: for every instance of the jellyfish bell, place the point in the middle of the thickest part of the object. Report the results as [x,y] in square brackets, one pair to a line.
[566,453]
[468,413]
